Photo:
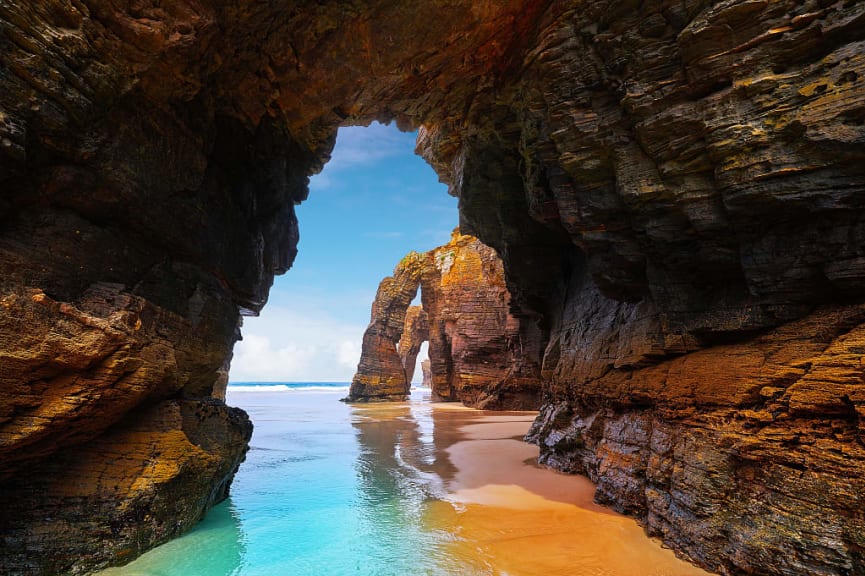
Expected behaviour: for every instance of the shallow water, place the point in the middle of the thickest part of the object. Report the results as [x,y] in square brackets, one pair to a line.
[407,488]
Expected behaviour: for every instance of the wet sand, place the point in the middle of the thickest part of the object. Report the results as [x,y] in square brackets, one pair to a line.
[402,488]
[508,516]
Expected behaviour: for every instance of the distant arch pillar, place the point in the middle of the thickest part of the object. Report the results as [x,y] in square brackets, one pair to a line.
[415,333]
[381,372]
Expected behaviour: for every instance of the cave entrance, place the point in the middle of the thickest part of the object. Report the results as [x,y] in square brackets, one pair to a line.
[373,202]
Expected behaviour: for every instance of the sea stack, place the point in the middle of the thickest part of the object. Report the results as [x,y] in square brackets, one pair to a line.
[474,341]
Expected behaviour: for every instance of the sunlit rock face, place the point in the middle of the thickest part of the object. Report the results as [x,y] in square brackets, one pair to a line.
[474,340]
[144,481]
[381,371]
[475,353]
[675,189]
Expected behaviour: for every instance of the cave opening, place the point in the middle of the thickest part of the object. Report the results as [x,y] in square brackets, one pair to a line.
[374,201]
[675,189]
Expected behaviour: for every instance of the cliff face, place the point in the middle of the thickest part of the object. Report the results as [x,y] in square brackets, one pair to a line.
[139,484]
[701,201]
[474,353]
[735,453]
[674,188]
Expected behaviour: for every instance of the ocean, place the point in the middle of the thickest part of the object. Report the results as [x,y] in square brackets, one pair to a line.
[415,488]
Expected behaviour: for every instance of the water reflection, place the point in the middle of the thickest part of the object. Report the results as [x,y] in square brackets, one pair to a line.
[465,484]
[403,447]
[404,475]
[394,489]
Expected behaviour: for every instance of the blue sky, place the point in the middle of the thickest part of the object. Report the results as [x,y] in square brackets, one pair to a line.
[373,202]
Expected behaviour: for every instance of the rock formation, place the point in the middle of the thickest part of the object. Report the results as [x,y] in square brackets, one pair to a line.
[675,188]
[474,354]
[427,373]
[750,448]
[474,341]
[145,481]
[381,374]
[415,332]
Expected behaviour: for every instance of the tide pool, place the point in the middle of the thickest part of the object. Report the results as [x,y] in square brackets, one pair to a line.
[400,488]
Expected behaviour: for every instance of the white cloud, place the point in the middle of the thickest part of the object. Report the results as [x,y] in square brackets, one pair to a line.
[263,358]
[349,353]
[356,145]
[284,345]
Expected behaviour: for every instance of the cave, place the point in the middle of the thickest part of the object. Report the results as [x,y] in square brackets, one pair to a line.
[674,187]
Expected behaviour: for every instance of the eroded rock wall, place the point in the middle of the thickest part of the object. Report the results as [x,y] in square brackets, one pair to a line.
[381,373]
[142,482]
[474,352]
[414,334]
[135,227]
[733,454]
[675,190]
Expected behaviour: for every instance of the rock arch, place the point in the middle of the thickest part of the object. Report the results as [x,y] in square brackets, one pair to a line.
[669,185]
[465,317]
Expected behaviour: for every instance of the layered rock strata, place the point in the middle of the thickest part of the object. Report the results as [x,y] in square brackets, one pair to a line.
[475,350]
[474,353]
[667,183]
[144,481]
[734,453]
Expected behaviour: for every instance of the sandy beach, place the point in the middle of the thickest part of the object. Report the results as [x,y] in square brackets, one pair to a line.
[509,516]
[402,488]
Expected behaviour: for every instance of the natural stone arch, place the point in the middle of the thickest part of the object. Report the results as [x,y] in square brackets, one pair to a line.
[464,316]
[381,371]
[663,181]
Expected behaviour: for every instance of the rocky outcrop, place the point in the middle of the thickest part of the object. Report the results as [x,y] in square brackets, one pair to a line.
[734,453]
[381,374]
[144,482]
[667,183]
[474,353]
[686,227]
[475,342]
[415,333]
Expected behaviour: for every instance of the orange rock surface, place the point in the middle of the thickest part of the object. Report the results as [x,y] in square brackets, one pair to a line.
[474,354]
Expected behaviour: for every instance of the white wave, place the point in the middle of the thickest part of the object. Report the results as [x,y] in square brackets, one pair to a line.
[284,388]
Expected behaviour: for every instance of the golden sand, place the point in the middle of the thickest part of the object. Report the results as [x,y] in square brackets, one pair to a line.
[508,516]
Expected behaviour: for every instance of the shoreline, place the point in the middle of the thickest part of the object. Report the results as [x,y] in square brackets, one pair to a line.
[521,518]
[438,488]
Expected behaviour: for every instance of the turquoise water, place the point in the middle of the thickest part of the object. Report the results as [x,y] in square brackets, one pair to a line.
[395,489]
[323,490]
